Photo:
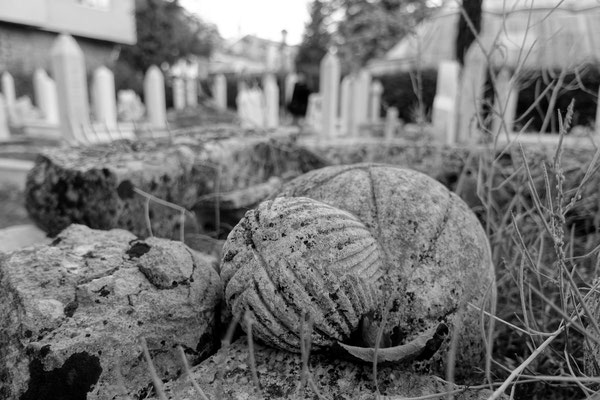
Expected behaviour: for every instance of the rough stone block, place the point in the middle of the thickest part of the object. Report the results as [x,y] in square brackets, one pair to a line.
[72,313]
[92,186]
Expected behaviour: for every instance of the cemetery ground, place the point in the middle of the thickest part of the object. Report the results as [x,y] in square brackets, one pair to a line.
[540,210]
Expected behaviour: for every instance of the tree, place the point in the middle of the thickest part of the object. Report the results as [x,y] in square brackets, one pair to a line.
[166,32]
[369,28]
[465,35]
[315,42]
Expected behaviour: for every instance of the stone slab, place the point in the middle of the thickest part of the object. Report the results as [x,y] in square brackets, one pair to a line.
[72,313]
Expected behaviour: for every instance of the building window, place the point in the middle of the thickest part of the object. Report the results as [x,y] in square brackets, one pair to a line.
[98,4]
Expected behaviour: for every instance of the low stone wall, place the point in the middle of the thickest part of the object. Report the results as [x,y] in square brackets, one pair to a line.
[94,186]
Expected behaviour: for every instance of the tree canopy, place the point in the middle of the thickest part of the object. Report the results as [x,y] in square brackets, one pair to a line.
[315,42]
[166,32]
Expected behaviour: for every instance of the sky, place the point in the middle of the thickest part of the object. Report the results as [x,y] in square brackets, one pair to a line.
[264,18]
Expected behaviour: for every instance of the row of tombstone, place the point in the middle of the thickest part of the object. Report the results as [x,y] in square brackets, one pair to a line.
[345,105]
[62,103]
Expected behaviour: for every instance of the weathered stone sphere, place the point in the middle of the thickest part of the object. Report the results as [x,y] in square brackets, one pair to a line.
[437,251]
[294,257]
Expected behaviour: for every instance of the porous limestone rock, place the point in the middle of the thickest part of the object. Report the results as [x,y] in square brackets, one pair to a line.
[228,375]
[437,252]
[292,258]
[94,185]
[72,313]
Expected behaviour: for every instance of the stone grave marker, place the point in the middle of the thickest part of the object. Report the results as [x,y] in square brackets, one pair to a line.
[330,72]
[314,117]
[10,96]
[505,104]
[104,98]
[290,82]
[191,91]
[375,101]
[4,132]
[154,97]
[178,94]
[472,81]
[68,66]
[271,95]
[444,102]
[346,105]
[220,92]
[360,101]
[45,96]
[391,123]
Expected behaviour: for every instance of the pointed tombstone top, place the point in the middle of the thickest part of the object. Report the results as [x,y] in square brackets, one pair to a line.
[67,46]
[40,73]
[153,71]
[330,58]
[103,73]
[7,77]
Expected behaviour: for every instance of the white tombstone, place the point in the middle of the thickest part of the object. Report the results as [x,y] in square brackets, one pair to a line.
[360,101]
[391,123]
[154,97]
[330,72]
[375,101]
[505,104]
[68,66]
[271,92]
[191,91]
[250,104]
[290,82]
[314,117]
[46,98]
[220,92]
[39,82]
[178,94]
[4,132]
[10,96]
[445,102]
[104,97]
[472,81]
[346,105]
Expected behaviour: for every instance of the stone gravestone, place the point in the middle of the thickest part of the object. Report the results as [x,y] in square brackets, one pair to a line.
[290,82]
[271,93]
[10,96]
[191,91]
[178,94]
[4,132]
[444,102]
[220,92]
[330,73]
[250,107]
[46,98]
[104,98]
[505,104]
[391,123]
[346,105]
[472,81]
[154,97]
[314,117]
[375,101]
[360,101]
[68,66]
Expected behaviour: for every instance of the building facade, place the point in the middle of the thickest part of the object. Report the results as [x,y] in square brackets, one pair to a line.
[28,29]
